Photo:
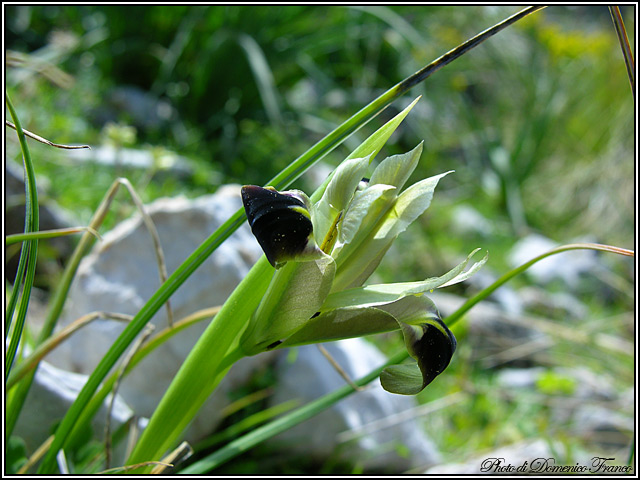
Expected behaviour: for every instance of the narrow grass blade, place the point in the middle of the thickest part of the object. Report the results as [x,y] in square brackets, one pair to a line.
[249,423]
[263,76]
[47,142]
[43,234]
[29,363]
[618,22]
[516,271]
[30,247]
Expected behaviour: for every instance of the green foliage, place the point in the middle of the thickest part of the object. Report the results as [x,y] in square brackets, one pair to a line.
[15,455]
[551,383]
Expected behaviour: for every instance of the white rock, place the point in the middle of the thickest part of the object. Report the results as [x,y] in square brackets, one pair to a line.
[604,427]
[355,417]
[467,220]
[50,396]
[121,274]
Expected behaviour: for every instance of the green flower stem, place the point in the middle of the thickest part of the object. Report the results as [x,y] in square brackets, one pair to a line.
[207,361]
[454,317]
[29,251]
[303,413]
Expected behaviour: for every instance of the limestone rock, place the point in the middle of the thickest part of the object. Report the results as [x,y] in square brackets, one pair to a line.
[121,274]
[355,425]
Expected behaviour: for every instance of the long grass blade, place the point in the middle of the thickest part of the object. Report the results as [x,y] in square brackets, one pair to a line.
[249,423]
[618,22]
[15,291]
[30,247]
[517,271]
[43,234]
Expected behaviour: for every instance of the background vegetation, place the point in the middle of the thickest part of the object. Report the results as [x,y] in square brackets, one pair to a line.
[537,122]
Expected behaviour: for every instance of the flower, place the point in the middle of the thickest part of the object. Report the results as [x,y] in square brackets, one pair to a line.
[323,253]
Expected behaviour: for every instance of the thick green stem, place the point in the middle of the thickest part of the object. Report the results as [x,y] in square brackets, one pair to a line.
[206,362]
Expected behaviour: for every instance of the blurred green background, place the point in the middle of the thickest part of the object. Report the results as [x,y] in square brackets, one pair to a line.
[538,123]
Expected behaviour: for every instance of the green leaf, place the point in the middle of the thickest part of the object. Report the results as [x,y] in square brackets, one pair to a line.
[409,205]
[374,295]
[372,145]
[295,293]
[342,323]
[461,277]
[369,206]
[362,214]
[358,260]
[427,338]
[355,321]
[397,169]
[405,379]
[28,254]
[337,195]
